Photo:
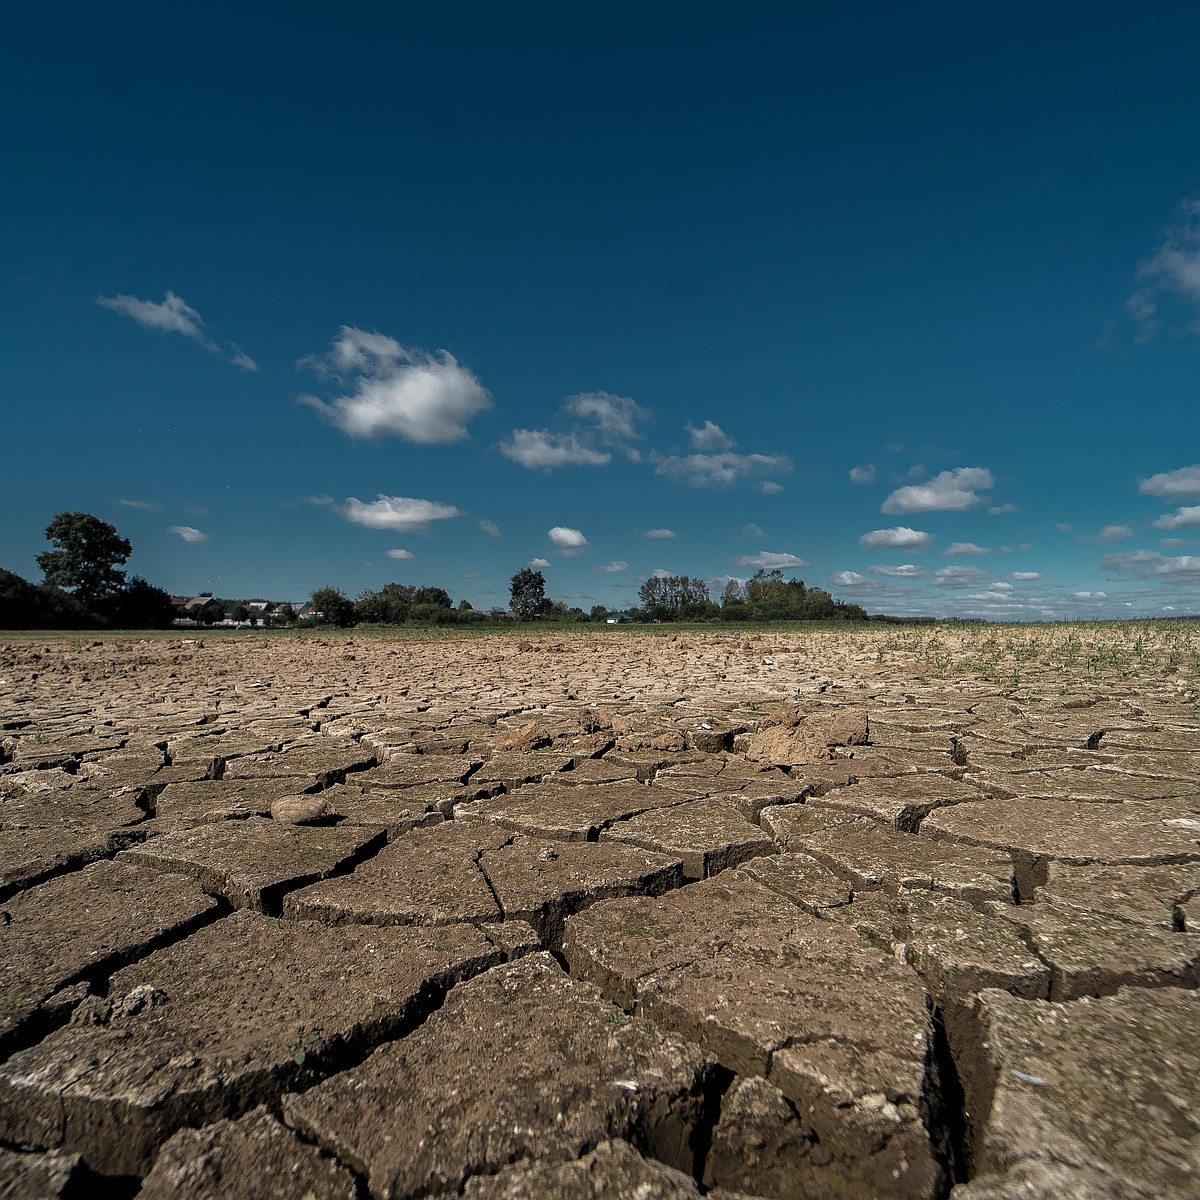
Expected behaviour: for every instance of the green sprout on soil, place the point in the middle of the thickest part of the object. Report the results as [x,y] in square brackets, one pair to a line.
[298,1047]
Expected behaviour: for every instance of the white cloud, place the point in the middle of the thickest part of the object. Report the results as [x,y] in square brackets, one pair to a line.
[410,394]
[1001,587]
[175,315]
[616,417]
[141,505]
[770,561]
[998,510]
[569,541]
[1114,533]
[402,555]
[900,537]
[752,530]
[1026,576]
[1090,595]
[320,501]
[659,533]
[847,579]
[1063,527]
[722,470]
[1149,564]
[950,491]
[904,571]
[959,577]
[1183,482]
[400,513]
[538,448]
[1173,272]
[539,564]
[194,536]
[964,548]
[770,487]
[1181,518]
[614,568]
[862,475]
[660,573]
[708,438]
[490,528]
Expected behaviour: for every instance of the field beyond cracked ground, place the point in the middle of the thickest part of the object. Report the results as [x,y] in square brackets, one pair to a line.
[823,915]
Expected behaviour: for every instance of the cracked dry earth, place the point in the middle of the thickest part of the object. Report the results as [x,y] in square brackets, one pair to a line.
[650,916]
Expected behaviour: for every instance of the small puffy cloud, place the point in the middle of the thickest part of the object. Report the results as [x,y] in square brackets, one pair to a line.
[770,561]
[708,438]
[403,514]
[659,533]
[998,510]
[401,555]
[393,390]
[949,491]
[1183,482]
[904,571]
[1090,595]
[1172,273]
[900,537]
[1115,533]
[539,564]
[959,577]
[956,548]
[1181,518]
[1149,564]
[660,573]
[569,541]
[490,528]
[1001,587]
[190,535]
[862,475]
[1063,527]
[614,568]
[847,579]
[321,501]
[770,488]
[721,470]
[616,417]
[174,315]
[539,448]
[1026,576]
[752,530]
[141,505]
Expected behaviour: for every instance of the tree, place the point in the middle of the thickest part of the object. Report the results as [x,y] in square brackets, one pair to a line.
[333,607]
[88,553]
[529,594]
[138,605]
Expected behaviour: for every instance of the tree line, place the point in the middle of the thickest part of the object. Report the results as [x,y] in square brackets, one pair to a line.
[85,587]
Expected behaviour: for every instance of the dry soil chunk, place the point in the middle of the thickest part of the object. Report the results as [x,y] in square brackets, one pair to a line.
[542,882]
[328,763]
[90,921]
[253,862]
[838,1026]
[871,857]
[708,835]
[37,1176]
[1136,832]
[1093,952]
[903,801]
[30,854]
[428,877]
[204,800]
[557,810]
[1145,894]
[801,879]
[1102,1087]
[521,1063]
[217,1023]
[612,1170]
[255,1158]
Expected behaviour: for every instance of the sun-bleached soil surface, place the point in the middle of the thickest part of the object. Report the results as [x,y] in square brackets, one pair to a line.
[826,915]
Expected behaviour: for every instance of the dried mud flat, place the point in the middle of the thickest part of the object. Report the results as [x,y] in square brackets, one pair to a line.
[657,916]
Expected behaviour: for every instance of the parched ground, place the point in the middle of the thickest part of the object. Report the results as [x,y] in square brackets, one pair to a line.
[876,913]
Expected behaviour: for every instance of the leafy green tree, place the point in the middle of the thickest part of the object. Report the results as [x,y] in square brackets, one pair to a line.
[87,556]
[334,605]
[528,591]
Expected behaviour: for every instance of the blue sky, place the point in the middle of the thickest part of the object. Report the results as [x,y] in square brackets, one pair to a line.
[904,299]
